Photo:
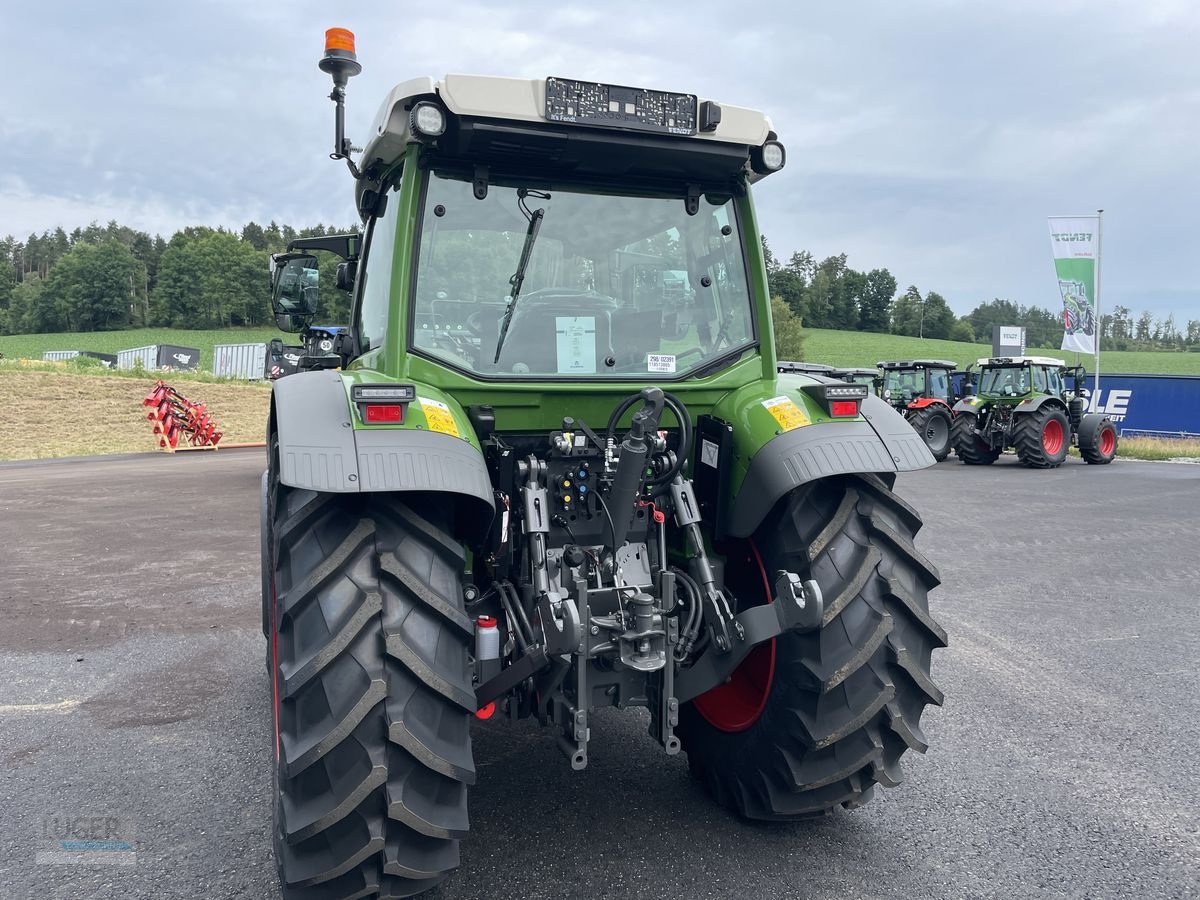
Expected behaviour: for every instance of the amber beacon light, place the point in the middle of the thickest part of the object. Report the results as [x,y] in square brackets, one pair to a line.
[341,63]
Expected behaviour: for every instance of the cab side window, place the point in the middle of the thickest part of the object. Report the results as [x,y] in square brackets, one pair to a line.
[375,292]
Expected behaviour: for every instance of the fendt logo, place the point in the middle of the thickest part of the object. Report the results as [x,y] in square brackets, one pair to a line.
[1117,406]
[1072,236]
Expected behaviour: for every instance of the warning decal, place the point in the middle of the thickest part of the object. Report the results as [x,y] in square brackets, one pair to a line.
[438,417]
[786,413]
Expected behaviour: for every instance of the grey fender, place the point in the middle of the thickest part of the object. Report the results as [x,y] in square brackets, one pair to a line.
[1033,404]
[1089,429]
[319,450]
[884,444]
[962,406]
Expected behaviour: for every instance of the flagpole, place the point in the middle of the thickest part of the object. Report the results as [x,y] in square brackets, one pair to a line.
[1099,318]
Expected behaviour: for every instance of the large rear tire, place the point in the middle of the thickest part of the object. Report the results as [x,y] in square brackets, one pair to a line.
[826,715]
[932,423]
[968,446]
[372,695]
[1042,437]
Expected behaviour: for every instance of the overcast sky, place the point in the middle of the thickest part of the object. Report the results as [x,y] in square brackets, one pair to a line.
[932,137]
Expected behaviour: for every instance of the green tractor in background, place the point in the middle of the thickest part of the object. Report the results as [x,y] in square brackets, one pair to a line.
[534,489]
[1023,402]
[920,389]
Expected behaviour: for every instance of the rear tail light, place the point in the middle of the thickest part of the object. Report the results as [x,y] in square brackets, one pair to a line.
[843,409]
[382,413]
[840,400]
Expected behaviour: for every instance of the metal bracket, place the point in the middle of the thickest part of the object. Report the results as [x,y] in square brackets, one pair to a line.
[798,606]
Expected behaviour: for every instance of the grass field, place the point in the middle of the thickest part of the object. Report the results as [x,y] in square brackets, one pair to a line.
[857,348]
[50,414]
[838,348]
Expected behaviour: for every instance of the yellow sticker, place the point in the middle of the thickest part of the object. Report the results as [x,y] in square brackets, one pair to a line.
[786,413]
[438,417]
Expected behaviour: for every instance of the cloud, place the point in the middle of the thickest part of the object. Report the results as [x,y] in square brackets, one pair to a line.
[931,137]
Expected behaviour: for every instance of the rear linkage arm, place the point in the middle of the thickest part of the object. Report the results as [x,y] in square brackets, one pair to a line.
[798,606]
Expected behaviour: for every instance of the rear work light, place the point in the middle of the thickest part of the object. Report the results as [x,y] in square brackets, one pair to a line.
[841,401]
[380,404]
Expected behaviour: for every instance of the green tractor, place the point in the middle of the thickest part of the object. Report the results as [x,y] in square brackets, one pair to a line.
[1024,402]
[921,390]
[534,491]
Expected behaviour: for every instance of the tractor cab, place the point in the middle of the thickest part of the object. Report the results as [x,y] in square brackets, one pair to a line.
[910,381]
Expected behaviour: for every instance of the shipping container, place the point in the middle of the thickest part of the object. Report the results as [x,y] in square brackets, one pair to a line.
[127,359]
[248,361]
[185,359]
[59,355]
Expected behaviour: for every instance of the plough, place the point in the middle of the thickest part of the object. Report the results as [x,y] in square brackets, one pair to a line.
[177,419]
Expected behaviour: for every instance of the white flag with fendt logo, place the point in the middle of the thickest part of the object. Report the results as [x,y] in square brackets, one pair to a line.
[1076,245]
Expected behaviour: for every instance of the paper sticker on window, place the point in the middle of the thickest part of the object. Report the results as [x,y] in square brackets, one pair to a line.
[660,362]
[438,417]
[786,413]
[576,344]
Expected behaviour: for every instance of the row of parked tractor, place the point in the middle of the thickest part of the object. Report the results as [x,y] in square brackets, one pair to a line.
[1035,405]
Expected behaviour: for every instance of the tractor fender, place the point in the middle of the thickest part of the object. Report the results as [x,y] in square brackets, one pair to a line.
[320,450]
[1033,404]
[1089,429]
[967,405]
[923,402]
[882,444]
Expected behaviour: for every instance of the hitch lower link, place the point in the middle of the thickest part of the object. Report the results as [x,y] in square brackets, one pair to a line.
[797,606]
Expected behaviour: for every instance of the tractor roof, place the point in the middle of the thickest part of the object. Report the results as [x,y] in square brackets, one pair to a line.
[582,129]
[1020,361]
[786,367]
[918,364]
[874,373]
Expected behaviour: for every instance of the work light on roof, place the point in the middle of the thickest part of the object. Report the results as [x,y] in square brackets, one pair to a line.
[773,155]
[428,119]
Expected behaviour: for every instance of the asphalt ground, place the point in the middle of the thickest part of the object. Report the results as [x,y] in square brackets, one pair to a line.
[134,709]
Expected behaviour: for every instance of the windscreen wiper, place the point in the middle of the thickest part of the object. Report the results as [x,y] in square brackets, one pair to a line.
[531,233]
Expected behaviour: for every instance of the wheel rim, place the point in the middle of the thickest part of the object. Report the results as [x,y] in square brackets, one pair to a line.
[738,704]
[1108,441]
[1052,436]
[937,433]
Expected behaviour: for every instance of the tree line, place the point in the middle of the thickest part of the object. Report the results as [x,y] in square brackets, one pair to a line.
[830,294]
[105,278]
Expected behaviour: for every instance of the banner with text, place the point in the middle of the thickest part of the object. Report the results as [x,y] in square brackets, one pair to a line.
[1075,243]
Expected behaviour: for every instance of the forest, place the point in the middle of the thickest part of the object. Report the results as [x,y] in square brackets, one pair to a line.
[110,277]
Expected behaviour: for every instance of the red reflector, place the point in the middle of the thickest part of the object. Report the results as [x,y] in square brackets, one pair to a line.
[377,413]
[843,409]
[486,712]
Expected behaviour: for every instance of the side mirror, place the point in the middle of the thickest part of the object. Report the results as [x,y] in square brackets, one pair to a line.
[295,283]
[345,275]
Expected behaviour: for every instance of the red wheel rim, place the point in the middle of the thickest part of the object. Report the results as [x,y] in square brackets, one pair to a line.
[1052,436]
[737,705]
[1108,441]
